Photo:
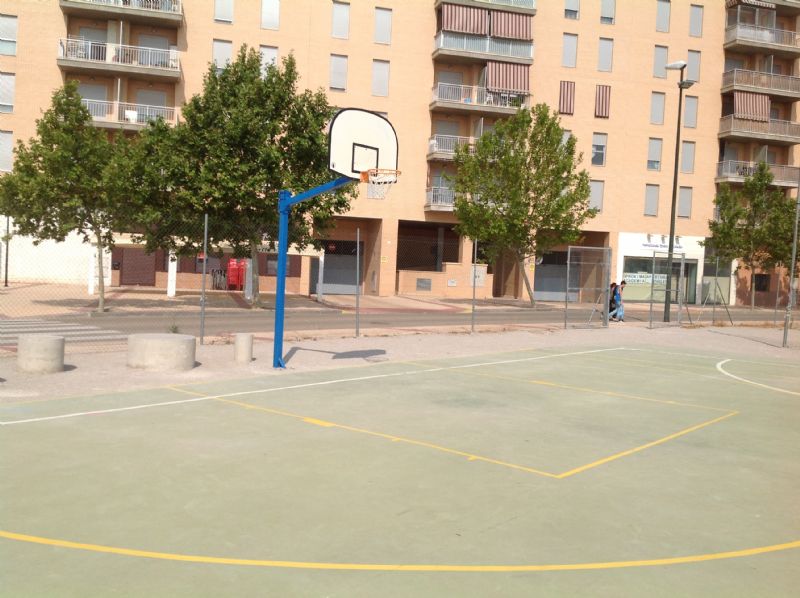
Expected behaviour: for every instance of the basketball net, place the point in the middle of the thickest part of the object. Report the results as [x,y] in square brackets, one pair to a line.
[379,181]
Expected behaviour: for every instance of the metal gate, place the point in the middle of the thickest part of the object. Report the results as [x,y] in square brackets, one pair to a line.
[658,289]
[586,296]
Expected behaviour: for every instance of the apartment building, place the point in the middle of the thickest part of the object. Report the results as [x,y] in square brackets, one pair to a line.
[444,72]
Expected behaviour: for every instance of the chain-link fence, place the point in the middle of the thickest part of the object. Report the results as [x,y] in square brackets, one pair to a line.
[587,298]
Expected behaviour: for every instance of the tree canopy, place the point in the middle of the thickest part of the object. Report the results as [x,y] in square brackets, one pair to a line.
[518,189]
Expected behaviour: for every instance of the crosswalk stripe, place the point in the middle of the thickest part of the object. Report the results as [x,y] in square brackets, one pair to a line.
[10,330]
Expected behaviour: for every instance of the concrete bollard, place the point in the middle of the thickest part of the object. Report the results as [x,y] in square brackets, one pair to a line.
[161,351]
[40,353]
[243,347]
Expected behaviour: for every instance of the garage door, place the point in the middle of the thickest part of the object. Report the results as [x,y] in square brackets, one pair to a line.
[137,267]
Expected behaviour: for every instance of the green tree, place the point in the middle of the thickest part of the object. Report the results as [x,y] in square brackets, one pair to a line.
[753,225]
[247,136]
[64,180]
[519,190]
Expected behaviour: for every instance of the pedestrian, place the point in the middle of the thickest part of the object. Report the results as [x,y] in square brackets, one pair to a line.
[612,302]
[618,315]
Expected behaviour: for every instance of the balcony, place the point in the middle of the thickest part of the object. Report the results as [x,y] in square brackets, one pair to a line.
[465,98]
[128,117]
[79,55]
[744,37]
[782,86]
[731,171]
[443,147]
[465,47]
[440,199]
[526,7]
[165,13]
[778,132]
[790,7]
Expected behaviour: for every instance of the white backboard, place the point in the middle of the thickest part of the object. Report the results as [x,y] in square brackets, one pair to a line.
[361,140]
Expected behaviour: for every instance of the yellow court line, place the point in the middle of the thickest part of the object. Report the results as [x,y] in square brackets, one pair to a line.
[187,391]
[215,560]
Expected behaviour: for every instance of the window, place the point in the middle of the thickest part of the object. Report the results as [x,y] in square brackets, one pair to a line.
[223,10]
[569,55]
[599,141]
[660,62]
[690,114]
[696,21]
[651,200]
[654,154]
[341,20]
[596,189]
[761,282]
[270,14]
[657,108]
[566,97]
[606,54]
[565,136]
[8,35]
[338,72]
[662,15]
[602,101]
[383,26]
[380,78]
[608,11]
[6,151]
[572,9]
[693,66]
[6,92]
[269,56]
[221,53]
[685,202]
[687,157]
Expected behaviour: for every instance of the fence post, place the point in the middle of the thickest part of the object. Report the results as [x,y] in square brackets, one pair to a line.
[203,284]
[358,281]
[474,280]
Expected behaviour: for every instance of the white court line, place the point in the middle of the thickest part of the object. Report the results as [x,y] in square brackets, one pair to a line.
[745,380]
[295,386]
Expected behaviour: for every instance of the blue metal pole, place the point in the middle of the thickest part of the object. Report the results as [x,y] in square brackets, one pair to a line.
[284,205]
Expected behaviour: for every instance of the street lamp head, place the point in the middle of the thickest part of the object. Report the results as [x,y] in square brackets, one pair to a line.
[677,65]
[686,84]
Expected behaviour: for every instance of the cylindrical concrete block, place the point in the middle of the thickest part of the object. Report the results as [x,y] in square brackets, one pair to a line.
[243,347]
[40,353]
[161,351]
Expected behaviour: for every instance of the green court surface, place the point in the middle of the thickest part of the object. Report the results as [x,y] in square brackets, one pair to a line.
[603,472]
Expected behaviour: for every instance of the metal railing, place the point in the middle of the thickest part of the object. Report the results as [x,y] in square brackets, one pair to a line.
[781,173]
[446,144]
[481,44]
[466,94]
[761,80]
[765,35]
[516,3]
[167,6]
[85,50]
[125,113]
[778,128]
[440,197]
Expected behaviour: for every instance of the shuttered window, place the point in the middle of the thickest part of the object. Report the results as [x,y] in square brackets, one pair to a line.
[654,146]
[338,72]
[599,142]
[693,66]
[221,53]
[572,9]
[651,200]
[696,21]
[685,202]
[606,54]
[687,157]
[270,14]
[657,108]
[383,26]
[662,15]
[510,25]
[6,151]
[465,19]
[608,11]
[269,55]
[660,62]
[380,77]
[8,35]
[341,20]
[566,98]
[569,53]
[505,76]
[223,10]
[690,112]
[596,189]
[7,86]
[602,101]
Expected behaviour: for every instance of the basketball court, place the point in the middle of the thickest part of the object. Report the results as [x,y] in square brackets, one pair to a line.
[581,469]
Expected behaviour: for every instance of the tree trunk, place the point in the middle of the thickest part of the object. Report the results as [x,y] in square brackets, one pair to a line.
[527,281]
[752,289]
[254,271]
[101,283]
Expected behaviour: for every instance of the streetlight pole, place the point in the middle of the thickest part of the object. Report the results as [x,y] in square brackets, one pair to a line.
[682,84]
[787,318]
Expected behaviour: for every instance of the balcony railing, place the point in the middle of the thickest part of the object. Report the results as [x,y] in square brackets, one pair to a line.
[167,6]
[516,3]
[765,35]
[782,174]
[84,50]
[124,113]
[447,144]
[481,44]
[466,94]
[777,128]
[781,83]
[440,197]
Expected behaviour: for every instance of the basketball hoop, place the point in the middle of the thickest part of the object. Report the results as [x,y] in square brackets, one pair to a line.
[379,181]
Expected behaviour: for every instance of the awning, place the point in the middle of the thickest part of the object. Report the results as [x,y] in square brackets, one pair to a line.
[752,106]
[505,76]
[602,101]
[510,25]
[566,97]
[757,3]
[465,19]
